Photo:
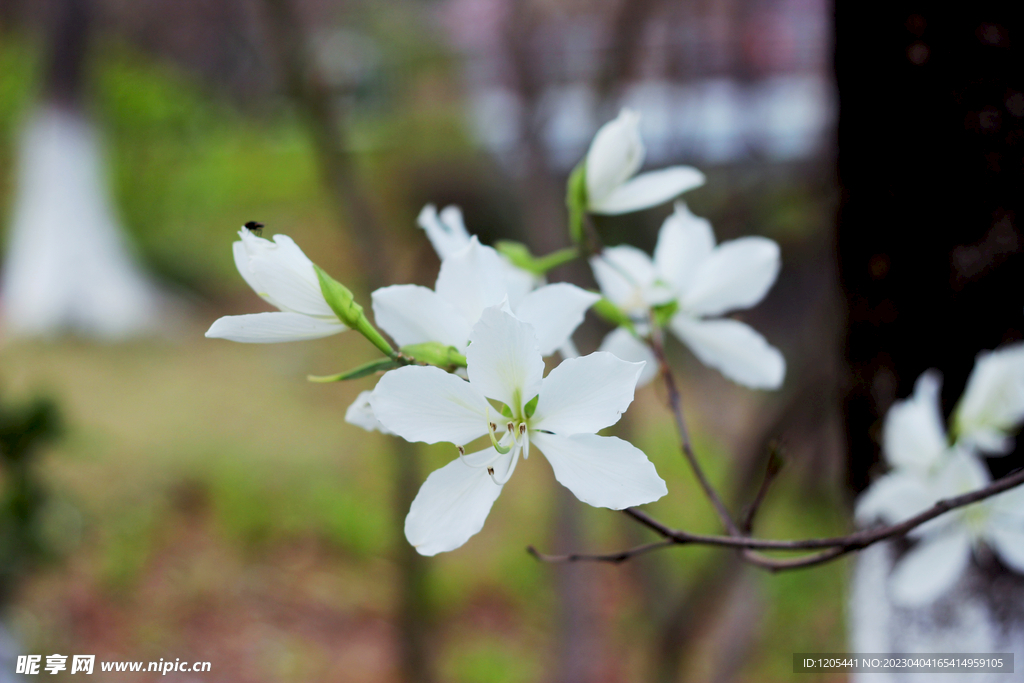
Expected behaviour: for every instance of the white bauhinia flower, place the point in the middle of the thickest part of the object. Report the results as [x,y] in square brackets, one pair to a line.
[702,281]
[445,230]
[926,468]
[915,445]
[284,277]
[615,156]
[470,281]
[992,406]
[448,235]
[508,398]
[944,546]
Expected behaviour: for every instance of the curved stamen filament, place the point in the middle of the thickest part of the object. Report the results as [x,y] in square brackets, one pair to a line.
[508,473]
[467,463]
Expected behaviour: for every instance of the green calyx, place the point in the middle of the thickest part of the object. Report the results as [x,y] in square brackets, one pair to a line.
[576,201]
[343,303]
[520,256]
[613,314]
[664,312]
[435,353]
[374,366]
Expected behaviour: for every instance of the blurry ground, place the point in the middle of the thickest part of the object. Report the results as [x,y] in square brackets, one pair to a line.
[214,506]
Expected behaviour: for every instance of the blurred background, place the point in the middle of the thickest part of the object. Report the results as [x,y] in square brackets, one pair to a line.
[172,496]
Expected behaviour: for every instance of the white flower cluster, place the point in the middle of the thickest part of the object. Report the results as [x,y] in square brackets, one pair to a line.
[928,465]
[502,319]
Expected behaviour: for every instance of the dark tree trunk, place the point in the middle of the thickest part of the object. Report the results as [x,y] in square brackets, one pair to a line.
[931,165]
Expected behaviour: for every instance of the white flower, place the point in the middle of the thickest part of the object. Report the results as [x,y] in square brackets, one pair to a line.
[470,281]
[615,155]
[704,281]
[944,545]
[284,277]
[915,445]
[446,231]
[578,398]
[993,402]
[926,469]
[448,235]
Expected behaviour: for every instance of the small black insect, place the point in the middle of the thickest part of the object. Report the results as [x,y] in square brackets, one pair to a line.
[255,227]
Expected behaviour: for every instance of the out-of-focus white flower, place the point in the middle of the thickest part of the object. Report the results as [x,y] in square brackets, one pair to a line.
[446,230]
[448,235]
[615,156]
[470,281]
[703,281]
[945,544]
[559,414]
[992,406]
[926,468]
[284,277]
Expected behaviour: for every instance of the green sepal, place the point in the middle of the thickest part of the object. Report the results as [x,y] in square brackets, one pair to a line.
[531,406]
[576,200]
[374,366]
[664,312]
[435,353]
[343,303]
[520,256]
[613,314]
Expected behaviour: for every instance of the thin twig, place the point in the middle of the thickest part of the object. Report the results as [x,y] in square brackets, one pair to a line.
[831,548]
[771,470]
[613,558]
[675,401]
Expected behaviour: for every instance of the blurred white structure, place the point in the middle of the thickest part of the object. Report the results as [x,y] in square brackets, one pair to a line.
[983,613]
[67,266]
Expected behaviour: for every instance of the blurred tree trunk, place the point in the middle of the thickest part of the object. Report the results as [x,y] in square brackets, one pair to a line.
[315,102]
[931,163]
[67,266]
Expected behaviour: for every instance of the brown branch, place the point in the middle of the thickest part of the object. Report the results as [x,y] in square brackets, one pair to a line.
[771,471]
[831,548]
[675,401]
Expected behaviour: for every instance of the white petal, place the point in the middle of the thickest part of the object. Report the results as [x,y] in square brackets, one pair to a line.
[518,282]
[929,569]
[622,344]
[472,279]
[428,404]
[684,241]
[271,328]
[242,263]
[626,277]
[914,435]
[447,232]
[361,414]
[1009,544]
[413,315]
[734,349]
[893,498]
[960,472]
[993,401]
[615,155]
[602,471]
[452,504]
[285,277]
[555,311]
[1009,505]
[649,189]
[736,275]
[503,360]
[583,395]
